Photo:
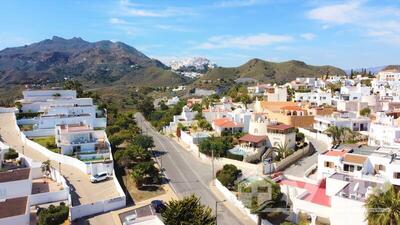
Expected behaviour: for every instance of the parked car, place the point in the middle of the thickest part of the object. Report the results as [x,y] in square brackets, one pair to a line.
[130,219]
[158,206]
[98,177]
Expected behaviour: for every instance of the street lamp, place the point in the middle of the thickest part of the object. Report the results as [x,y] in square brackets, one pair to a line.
[212,162]
[216,210]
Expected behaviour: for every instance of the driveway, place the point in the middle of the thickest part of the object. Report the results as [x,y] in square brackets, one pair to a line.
[298,168]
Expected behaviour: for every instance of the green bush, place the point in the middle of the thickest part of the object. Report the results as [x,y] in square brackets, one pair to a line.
[54,215]
[27,115]
[11,154]
[230,155]
[228,175]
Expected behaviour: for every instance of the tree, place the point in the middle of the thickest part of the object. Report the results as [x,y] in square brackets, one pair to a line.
[383,207]
[228,175]
[189,210]
[217,144]
[54,215]
[45,166]
[340,134]
[146,106]
[283,150]
[144,141]
[365,112]
[300,137]
[131,155]
[145,173]
[74,85]
[11,154]
[116,140]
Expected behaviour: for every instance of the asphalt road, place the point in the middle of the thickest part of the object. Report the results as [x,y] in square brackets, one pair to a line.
[186,174]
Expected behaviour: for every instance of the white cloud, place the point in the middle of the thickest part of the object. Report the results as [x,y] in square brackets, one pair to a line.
[249,41]
[337,13]
[127,8]
[377,22]
[308,36]
[117,21]
[172,28]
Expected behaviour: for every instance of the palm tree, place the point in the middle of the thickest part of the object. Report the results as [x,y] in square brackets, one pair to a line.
[283,150]
[189,210]
[383,207]
[335,132]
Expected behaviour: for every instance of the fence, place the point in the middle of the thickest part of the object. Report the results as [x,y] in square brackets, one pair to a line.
[320,136]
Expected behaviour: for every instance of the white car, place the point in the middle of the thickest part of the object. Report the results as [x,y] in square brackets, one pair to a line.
[98,177]
[130,219]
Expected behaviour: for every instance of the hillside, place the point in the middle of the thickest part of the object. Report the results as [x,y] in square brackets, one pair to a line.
[265,71]
[97,63]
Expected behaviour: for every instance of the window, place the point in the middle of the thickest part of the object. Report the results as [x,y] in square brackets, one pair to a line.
[328,164]
[348,168]
[396,175]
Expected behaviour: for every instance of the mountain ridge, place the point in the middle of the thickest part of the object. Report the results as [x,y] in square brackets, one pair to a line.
[56,59]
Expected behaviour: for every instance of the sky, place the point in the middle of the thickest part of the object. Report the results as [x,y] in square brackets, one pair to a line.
[347,34]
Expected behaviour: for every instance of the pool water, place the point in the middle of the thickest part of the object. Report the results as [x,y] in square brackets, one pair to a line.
[238,151]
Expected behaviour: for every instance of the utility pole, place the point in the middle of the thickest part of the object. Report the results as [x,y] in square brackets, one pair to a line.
[212,162]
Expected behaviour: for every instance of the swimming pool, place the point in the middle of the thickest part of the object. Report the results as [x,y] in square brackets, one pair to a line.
[238,151]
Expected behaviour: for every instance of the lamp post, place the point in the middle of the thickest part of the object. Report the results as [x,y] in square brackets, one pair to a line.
[216,210]
[59,167]
[212,162]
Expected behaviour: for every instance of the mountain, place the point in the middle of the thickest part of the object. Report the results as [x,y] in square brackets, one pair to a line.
[95,63]
[265,71]
[393,68]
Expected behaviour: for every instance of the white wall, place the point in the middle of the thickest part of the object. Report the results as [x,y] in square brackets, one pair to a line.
[346,210]
[16,220]
[17,188]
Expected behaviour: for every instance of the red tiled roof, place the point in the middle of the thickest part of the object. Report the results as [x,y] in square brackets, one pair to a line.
[226,122]
[280,127]
[354,158]
[253,138]
[316,194]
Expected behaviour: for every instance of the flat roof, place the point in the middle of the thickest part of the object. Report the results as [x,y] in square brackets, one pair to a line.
[335,152]
[354,159]
[14,175]
[13,207]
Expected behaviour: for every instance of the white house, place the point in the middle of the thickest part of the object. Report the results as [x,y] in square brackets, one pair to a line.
[242,116]
[341,119]
[354,93]
[276,94]
[384,132]
[81,139]
[226,124]
[173,101]
[315,97]
[281,134]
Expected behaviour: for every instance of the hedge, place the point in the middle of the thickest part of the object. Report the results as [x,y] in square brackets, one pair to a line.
[230,155]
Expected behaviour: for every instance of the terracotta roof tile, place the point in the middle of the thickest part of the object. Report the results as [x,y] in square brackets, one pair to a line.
[253,138]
